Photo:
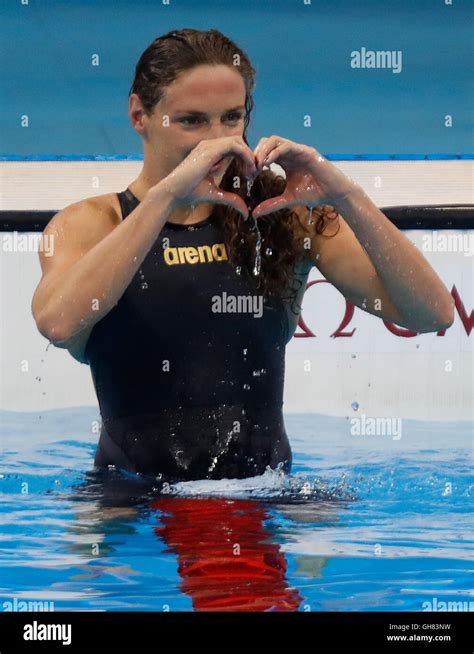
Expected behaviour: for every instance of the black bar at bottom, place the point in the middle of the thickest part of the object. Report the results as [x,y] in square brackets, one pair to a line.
[298,631]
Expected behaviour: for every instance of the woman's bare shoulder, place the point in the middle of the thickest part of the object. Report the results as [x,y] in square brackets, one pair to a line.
[108,203]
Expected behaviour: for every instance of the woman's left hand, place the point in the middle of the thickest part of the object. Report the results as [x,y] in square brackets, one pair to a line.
[311,179]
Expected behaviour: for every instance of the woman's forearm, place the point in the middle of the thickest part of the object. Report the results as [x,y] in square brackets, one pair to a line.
[414,287]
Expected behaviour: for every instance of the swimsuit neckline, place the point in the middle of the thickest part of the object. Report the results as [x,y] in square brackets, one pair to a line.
[178,226]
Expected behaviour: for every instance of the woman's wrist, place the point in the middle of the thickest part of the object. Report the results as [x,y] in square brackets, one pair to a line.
[340,199]
[161,196]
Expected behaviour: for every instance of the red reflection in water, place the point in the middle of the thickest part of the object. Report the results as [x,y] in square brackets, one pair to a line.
[225,557]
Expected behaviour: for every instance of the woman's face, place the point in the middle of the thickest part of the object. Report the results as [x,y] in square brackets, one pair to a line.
[206,102]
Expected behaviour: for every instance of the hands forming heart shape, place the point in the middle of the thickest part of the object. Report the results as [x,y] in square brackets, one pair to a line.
[311,180]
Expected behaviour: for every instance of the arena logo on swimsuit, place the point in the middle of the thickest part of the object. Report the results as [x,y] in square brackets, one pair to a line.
[200,254]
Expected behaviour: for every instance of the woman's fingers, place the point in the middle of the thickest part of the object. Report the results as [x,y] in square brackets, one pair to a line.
[218,149]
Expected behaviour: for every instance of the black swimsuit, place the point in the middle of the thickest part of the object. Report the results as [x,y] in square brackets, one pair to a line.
[188,389]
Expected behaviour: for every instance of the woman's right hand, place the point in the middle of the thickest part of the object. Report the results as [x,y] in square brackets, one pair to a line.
[192,182]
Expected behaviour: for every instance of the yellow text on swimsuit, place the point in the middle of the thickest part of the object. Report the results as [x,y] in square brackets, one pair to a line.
[200,254]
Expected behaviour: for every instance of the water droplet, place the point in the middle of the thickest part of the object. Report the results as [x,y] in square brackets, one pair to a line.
[355,405]
[249,185]
[258,373]
[144,285]
[258,245]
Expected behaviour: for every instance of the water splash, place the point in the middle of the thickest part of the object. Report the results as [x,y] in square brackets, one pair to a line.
[258,246]
[223,450]
[273,484]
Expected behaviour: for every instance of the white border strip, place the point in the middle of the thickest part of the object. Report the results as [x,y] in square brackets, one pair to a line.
[46,185]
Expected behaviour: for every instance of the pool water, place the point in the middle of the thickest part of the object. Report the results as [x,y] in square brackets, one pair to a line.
[363,523]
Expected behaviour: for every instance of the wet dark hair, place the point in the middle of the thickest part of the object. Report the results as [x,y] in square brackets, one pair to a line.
[159,65]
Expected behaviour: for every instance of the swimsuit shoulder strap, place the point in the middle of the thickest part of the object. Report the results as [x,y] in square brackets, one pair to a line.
[128,202]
